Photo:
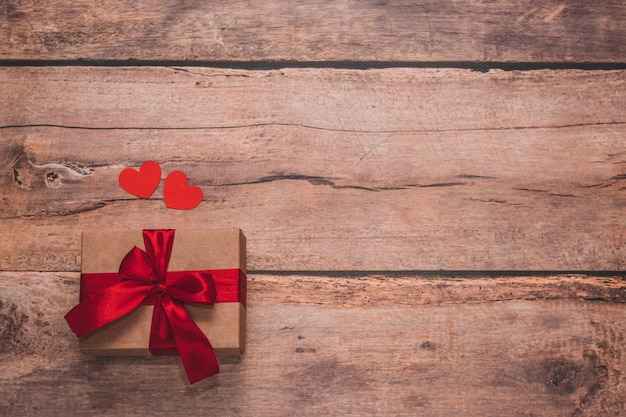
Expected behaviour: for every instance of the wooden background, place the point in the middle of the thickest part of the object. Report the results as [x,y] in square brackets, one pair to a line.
[433,194]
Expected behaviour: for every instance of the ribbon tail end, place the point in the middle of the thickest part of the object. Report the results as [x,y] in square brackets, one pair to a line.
[195,377]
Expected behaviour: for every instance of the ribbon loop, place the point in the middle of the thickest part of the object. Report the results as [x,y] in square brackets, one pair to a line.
[138,265]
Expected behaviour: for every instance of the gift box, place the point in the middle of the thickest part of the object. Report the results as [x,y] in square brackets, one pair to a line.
[158,285]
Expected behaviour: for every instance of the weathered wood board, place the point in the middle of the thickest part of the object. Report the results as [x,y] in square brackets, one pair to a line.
[400,345]
[422,240]
[399,169]
[308,30]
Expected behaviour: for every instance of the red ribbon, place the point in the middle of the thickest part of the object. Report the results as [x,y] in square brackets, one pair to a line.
[143,279]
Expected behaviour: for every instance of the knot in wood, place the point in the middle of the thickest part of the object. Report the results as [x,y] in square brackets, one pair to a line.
[8,330]
[53,179]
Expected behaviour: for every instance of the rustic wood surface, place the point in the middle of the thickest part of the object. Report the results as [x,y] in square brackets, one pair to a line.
[456,170]
[245,31]
[400,345]
[422,240]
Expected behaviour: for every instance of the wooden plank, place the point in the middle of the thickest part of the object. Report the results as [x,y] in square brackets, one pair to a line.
[324,169]
[307,30]
[317,345]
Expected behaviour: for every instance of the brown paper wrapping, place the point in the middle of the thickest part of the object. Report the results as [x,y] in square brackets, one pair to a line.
[224,324]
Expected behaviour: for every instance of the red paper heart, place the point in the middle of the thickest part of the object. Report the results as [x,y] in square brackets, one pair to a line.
[179,195]
[141,183]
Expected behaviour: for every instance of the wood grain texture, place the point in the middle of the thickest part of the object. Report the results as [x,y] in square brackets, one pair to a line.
[317,345]
[353,187]
[307,30]
[399,169]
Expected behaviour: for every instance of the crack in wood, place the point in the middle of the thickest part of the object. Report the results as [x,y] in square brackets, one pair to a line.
[84,208]
[317,180]
[201,74]
[475,177]
[534,190]
[605,184]
[16,178]
[14,166]
[495,201]
[546,192]
[306,126]
[441,184]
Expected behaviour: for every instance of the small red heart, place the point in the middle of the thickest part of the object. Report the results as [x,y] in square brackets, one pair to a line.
[141,183]
[179,195]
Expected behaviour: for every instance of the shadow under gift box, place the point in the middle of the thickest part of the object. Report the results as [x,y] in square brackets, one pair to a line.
[224,323]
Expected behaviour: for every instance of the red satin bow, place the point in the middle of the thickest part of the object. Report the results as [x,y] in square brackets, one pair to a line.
[145,280]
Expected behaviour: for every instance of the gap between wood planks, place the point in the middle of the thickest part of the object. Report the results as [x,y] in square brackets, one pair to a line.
[426,274]
[355,65]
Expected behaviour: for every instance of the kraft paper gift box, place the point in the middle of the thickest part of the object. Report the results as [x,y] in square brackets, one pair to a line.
[193,250]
